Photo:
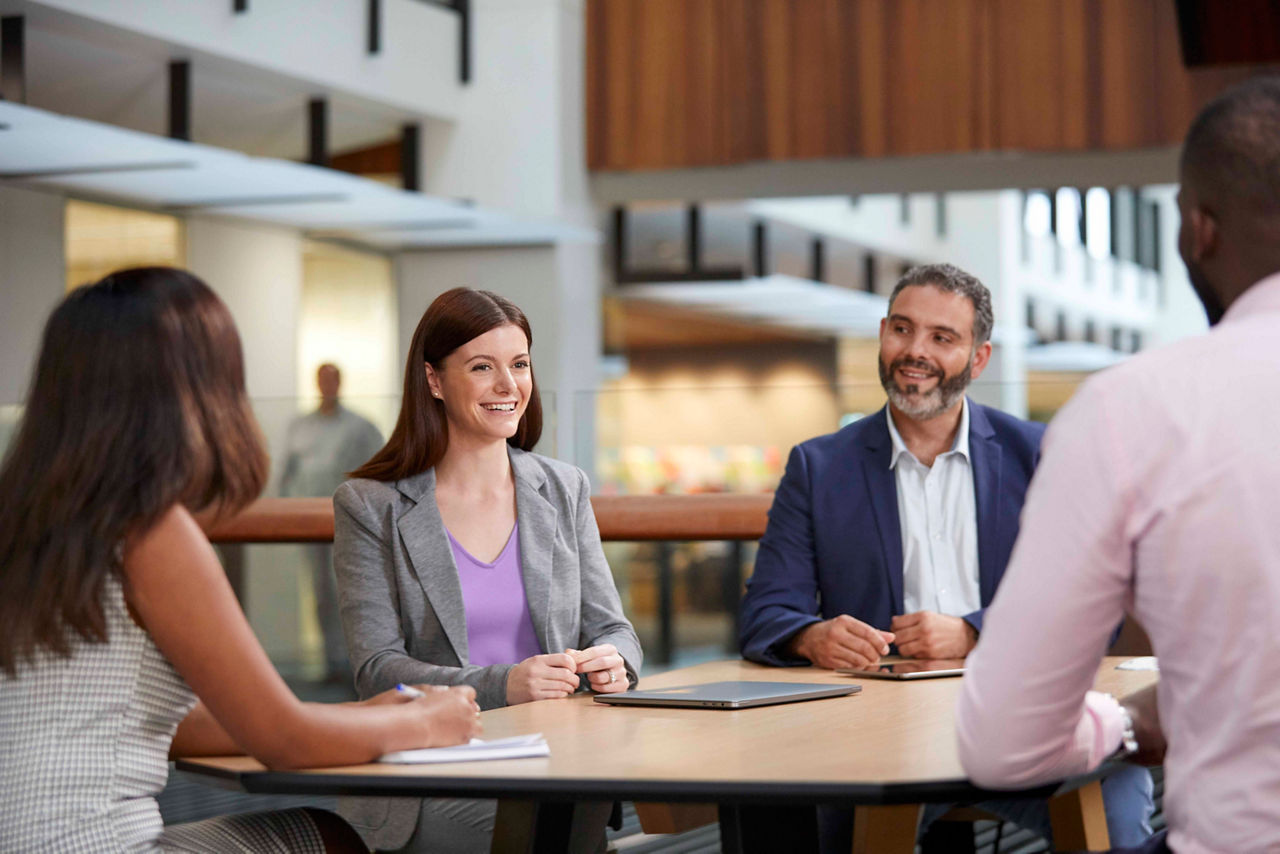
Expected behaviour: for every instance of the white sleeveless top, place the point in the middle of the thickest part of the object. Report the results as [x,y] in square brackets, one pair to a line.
[84,742]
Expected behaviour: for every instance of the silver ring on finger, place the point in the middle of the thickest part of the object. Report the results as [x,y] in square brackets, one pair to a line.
[613,677]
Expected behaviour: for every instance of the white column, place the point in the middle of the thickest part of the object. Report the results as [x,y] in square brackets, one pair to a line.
[257,271]
[32,281]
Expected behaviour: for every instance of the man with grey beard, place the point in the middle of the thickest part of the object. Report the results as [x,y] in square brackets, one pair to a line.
[894,532]
[896,529]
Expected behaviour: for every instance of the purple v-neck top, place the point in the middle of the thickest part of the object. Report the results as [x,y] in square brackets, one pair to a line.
[499,628]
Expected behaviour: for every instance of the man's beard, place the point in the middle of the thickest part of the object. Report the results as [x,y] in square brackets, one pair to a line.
[1213,307]
[921,407]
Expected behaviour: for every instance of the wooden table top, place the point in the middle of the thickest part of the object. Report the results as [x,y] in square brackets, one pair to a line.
[892,742]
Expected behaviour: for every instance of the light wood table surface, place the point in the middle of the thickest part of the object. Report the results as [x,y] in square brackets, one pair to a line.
[886,749]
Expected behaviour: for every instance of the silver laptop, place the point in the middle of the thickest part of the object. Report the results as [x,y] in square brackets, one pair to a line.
[729,695]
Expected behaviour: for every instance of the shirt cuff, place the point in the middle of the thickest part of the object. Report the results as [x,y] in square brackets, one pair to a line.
[1108,725]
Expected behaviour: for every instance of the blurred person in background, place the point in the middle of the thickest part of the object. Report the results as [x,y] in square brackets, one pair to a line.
[320,448]
[121,642]
[465,559]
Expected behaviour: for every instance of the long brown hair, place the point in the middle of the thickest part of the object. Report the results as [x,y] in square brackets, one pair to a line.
[137,403]
[422,431]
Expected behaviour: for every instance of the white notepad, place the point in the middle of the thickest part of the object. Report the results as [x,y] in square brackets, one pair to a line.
[1142,662]
[516,747]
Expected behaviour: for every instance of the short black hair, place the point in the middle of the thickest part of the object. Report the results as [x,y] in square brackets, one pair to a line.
[1232,151]
[950,278]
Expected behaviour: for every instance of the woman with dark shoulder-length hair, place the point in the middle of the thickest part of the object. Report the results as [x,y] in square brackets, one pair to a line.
[113,608]
[465,559]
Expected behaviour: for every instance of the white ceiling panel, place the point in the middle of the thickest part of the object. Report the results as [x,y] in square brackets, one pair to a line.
[81,157]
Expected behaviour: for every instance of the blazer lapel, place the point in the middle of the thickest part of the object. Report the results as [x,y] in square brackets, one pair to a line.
[882,490]
[423,533]
[988,459]
[537,519]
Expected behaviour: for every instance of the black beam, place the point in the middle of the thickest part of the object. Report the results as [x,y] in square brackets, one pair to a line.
[180,100]
[318,132]
[96,169]
[940,214]
[1139,233]
[760,249]
[817,260]
[410,152]
[464,39]
[869,273]
[619,243]
[1113,219]
[375,27]
[693,237]
[1053,214]
[239,6]
[1155,246]
[1083,215]
[13,59]
[706,274]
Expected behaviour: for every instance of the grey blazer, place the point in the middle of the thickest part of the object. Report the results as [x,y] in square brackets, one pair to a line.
[401,602]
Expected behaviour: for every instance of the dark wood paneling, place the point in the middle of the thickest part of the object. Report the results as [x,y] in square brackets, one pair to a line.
[675,83]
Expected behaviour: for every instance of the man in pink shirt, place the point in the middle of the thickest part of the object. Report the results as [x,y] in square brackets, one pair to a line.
[1157,494]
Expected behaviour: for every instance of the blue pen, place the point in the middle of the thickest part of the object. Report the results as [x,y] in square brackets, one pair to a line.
[412,692]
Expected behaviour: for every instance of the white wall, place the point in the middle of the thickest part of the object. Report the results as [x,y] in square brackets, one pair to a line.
[31,281]
[257,270]
[519,139]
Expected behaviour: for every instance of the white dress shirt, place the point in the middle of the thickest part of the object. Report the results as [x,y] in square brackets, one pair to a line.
[938,517]
[1156,494]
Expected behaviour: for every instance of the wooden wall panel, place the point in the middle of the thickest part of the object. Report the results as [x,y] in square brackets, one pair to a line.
[675,83]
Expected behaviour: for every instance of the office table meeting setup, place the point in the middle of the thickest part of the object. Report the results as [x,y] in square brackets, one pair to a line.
[885,750]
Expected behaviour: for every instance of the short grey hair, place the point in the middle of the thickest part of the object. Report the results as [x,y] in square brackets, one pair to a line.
[953,280]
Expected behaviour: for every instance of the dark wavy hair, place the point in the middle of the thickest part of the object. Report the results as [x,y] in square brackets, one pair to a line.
[422,431]
[137,403]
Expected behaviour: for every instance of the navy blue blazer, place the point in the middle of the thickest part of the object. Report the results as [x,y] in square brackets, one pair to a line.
[833,543]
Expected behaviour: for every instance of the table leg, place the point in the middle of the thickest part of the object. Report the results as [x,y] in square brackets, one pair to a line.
[535,827]
[886,829]
[1079,819]
[764,829]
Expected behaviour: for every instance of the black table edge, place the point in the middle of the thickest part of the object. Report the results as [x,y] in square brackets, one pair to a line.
[569,789]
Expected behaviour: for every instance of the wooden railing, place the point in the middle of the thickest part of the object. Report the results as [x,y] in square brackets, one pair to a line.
[625,518]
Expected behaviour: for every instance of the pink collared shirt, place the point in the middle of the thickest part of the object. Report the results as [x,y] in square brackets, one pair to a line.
[1158,492]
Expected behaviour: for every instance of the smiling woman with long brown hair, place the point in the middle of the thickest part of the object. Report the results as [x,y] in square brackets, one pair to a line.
[465,559]
[114,609]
